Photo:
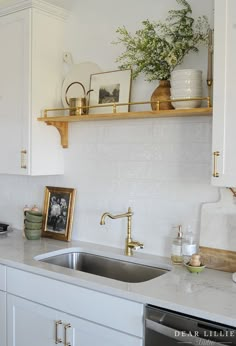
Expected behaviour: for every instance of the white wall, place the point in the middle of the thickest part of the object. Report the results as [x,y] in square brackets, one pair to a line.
[159,167]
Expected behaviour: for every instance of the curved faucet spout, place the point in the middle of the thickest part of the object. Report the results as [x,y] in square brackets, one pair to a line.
[128,214]
[129,243]
[102,222]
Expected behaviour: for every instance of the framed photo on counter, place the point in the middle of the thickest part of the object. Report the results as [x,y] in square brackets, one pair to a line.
[58,212]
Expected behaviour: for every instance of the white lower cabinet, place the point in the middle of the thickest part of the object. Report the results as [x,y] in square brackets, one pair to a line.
[3,319]
[3,313]
[36,304]
[30,323]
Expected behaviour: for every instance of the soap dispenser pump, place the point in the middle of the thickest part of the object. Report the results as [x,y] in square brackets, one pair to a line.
[176,249]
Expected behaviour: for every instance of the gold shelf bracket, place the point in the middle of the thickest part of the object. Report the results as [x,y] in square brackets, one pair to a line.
[62,128]
[232,190]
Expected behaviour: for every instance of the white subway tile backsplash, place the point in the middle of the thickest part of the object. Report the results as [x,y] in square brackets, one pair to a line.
[180,153]
[135,170]
[159,167]
[87,132]
[163,173]
[126,152]
[195,173]
[182,130]
[129,131]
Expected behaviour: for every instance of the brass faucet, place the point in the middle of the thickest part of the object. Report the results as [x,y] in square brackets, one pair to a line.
[130,244]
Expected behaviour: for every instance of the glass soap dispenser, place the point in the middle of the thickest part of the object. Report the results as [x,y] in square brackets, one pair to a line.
[176,249]
[189,244]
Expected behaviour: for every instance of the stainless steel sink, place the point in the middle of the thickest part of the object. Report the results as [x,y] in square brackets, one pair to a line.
[107,267]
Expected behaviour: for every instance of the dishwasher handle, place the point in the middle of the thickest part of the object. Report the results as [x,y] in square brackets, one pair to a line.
[178,334]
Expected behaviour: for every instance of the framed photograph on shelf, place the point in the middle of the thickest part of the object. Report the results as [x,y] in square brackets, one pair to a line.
[109,88]
[58,212]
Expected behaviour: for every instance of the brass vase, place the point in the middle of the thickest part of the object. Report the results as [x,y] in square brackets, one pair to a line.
[162,92]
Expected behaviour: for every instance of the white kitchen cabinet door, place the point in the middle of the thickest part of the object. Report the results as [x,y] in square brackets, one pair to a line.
[3,316]
[31,40]
[224,101]
[14,81]
[90,334]
[30,323]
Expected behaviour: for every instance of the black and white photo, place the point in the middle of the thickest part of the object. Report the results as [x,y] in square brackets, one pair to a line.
[109,88]
[58,212]
[109,93]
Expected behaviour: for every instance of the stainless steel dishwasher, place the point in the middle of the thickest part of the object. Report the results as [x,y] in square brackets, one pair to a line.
[168,328]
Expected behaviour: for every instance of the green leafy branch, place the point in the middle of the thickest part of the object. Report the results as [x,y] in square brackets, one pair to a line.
[157,48]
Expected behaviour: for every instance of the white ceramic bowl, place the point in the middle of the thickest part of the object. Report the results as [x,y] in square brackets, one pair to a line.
[186,83]
[186,104]
[187,92]
[186,74]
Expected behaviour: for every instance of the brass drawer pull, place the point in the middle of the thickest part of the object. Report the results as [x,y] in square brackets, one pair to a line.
[57,339]
[66,326]
[215,173]
[22,160]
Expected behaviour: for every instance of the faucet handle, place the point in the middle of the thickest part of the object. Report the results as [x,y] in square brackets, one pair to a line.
[135,245]
[139,246]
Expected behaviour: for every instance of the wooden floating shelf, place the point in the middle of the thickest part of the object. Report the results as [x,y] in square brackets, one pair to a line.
[61,122]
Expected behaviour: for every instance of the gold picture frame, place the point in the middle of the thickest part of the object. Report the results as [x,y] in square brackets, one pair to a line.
[109,88]
[58,212]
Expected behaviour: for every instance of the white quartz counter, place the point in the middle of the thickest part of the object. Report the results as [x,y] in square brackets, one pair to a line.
[210,295]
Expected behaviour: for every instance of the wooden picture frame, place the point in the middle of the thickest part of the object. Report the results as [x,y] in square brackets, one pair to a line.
[58,212]
[109,88]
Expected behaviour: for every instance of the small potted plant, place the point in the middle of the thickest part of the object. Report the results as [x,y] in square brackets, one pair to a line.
[157,48]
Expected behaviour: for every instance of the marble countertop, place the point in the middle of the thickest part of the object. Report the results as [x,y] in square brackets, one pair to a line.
[210,294]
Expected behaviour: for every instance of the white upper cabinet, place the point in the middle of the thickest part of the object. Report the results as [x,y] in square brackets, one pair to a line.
[31,40]
[224,102]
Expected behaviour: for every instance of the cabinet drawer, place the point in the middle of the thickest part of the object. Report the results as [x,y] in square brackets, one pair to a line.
[2,278]
[114,312]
